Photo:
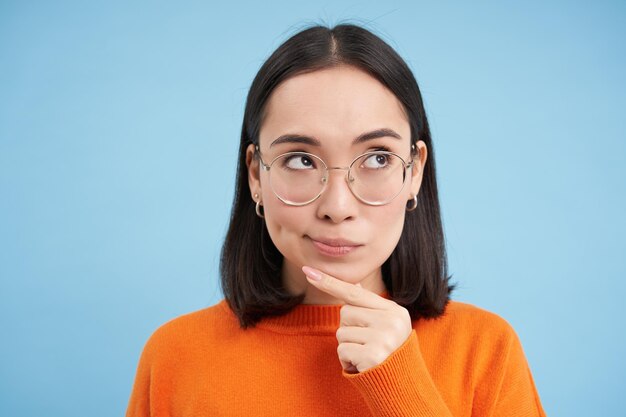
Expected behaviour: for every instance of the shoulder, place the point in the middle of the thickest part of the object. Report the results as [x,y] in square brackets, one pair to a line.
[480,352]
[468,327]
[207,324]
[465,314]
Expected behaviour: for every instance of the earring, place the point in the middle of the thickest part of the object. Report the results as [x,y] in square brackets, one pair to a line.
[411,207]
[258,206]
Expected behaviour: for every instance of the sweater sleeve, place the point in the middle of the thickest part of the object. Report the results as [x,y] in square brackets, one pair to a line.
[514,393]
[139,402]
[401,385]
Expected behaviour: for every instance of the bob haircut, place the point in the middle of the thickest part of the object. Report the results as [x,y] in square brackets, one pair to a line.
[415,274]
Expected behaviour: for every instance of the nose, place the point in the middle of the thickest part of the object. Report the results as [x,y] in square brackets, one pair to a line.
[337,203]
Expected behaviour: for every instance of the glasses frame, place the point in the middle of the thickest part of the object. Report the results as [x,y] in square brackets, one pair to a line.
[348,177]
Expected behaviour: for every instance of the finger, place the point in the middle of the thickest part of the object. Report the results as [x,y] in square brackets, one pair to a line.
[351,315]
[349,368]
[349,293]
[350,354]
[354,334]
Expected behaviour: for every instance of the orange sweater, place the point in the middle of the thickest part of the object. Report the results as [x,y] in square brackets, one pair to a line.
[468,362]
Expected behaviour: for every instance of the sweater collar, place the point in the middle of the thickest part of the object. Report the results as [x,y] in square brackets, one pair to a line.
[307,319]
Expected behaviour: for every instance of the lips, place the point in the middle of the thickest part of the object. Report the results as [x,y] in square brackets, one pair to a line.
[334,246]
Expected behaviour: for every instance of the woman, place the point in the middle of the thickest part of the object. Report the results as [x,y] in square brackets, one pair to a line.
[334,269]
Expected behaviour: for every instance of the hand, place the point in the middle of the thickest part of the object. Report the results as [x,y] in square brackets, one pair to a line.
[371,327]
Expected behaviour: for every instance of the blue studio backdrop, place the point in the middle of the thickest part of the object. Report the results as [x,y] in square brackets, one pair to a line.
[119,128]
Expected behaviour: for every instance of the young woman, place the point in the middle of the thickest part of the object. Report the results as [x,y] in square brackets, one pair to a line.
[336,291]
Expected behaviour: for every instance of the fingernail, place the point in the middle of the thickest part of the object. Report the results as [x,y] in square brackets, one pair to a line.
[314,274]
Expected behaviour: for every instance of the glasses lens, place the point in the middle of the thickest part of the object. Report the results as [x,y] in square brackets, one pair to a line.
[377,177]
[297,178]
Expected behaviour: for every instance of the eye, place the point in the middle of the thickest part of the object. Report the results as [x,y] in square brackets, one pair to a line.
[298,162]
[376,161]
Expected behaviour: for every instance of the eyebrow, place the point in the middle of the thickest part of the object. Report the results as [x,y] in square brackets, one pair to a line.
[309,140]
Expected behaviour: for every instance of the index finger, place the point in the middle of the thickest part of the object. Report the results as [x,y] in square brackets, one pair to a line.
[349,293]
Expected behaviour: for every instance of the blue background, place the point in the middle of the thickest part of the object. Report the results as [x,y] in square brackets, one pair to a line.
[119,125]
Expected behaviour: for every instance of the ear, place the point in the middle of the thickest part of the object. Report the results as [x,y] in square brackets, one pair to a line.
[419,162]
[253,165]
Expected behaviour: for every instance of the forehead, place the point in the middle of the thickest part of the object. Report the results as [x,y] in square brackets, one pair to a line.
[334,105]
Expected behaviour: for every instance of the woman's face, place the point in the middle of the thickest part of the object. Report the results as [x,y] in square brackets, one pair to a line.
[333,107]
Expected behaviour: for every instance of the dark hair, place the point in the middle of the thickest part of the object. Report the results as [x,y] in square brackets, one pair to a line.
[415,274]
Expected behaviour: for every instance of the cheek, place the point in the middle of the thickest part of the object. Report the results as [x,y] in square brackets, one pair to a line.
[285,224]
[387,226]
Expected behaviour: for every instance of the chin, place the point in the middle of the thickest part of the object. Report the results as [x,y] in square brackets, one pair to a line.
[345,272]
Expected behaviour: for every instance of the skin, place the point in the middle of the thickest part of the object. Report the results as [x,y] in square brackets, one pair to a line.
[335,106]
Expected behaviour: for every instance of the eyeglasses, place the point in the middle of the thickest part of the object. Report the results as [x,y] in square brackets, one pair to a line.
[299,178]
